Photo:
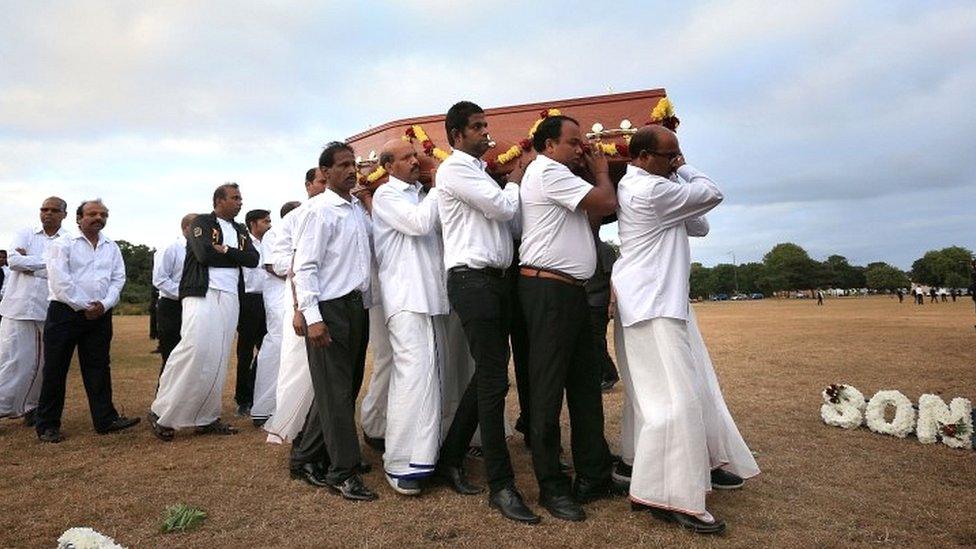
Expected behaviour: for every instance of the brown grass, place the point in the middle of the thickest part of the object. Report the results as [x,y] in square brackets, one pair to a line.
[821,486]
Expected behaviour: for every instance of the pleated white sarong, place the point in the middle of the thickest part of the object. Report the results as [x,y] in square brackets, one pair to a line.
[21,365]
[269,357]
[294,393]
[372,413]
[193,378]
[675,426]
[414,407]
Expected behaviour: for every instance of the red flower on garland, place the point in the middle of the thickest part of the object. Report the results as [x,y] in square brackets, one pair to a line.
[410,133]
[428,147]
[623,149]
[544,113]
[525,144]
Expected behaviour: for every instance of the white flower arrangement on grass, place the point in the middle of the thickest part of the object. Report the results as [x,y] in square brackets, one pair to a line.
[904,421]
[86,538]
[843,406]
[953,423]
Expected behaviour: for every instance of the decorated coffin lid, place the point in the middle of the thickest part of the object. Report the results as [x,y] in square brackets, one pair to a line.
[609,120]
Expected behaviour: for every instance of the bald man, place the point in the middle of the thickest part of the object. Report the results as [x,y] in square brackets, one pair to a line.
[679,440]
[167,272]
[24,308]
[414,292]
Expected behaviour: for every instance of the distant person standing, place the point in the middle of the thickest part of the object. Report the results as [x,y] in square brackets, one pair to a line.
[85,275]
[193,380]
[166,276]
[933,295]
[820,296]
[252,320]
[4,273]
[901,295]
[24,309]
[972,280]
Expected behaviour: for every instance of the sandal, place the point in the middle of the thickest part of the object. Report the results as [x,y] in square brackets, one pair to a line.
[164,434]
[217,428]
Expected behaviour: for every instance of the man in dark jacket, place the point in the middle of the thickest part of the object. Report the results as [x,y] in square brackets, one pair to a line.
[193,380]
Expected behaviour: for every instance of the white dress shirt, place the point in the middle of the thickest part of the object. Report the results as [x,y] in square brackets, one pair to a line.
[654,219]
[25,290]
[254,277]
[409,249]
[79,274]
[332,253]
[474,213]
[280,252]
[556,233]
[224,279]
[168,269]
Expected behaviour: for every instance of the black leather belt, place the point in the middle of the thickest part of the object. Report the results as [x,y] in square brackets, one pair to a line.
[490,271]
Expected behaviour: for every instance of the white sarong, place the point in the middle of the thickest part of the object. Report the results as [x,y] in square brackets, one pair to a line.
[675,427]
[414,407]
[193,379]
[269,357]
[372,413]
[294,393]
[21,365]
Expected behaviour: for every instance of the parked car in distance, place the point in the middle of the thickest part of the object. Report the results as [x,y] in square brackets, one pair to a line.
[740,297]
[720,297]
[756,295]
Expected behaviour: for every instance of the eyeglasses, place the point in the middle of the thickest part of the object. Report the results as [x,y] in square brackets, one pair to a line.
[668,155]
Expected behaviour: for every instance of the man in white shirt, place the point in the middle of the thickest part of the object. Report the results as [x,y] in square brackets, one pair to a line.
[557,256]
[85,275]
[269,357]
[293,393]
[252,322]
[414,293]
[167,273]
[676,427]
[193,379]
[332,271]
[474,212]
[23,309]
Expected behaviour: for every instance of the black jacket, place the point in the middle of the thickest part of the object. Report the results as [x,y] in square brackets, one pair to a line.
[201,255]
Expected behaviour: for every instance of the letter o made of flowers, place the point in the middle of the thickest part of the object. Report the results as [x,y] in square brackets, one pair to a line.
[843,406]
[904,421]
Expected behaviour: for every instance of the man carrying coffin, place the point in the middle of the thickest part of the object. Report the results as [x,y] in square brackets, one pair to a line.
[193,378]
[23,309]
[676,429]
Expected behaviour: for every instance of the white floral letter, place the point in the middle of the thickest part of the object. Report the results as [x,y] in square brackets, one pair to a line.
[843,406]
[934,417]
[904,420]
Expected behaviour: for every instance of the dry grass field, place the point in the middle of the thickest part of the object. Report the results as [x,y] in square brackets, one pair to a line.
[821,486]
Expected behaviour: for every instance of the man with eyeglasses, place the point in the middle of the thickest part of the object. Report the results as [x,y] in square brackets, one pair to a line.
[23,309]
[678,439]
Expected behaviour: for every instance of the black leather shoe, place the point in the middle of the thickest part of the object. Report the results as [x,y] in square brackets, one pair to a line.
[724,480]
[118,424]
[161,432]
[309,473]
[455,478]
[51,435]
[509,502]
[585,491]
[684,520]
[563,507]
[30,418]
[606,385]
[353,489]
[378,444]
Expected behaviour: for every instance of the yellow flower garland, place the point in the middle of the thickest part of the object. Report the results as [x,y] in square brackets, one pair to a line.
[663,109]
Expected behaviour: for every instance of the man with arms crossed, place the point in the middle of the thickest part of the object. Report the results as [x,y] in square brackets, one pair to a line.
[23,309]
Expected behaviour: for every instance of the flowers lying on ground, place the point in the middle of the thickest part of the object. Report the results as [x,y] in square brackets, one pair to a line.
[86,538]
[843,406]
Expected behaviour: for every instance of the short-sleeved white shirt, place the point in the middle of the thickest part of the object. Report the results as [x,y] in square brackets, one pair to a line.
[556,233]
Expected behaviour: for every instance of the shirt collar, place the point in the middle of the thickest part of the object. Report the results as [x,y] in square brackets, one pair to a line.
[333,198]
[39,229]
[401,185]
[632,169]
[101,237]
[465,157]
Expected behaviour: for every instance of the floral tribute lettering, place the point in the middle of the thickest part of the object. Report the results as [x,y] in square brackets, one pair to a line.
[843,406]
[901,425]
[952,423]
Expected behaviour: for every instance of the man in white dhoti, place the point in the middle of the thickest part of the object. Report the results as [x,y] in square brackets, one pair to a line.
[269,357]
[167,272]
[193,378]
[677,428]
[414,292]
[23,309]
[293,394]
[252,324]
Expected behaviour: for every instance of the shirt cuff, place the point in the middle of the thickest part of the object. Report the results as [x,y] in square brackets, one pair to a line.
[312,314]
[686,172]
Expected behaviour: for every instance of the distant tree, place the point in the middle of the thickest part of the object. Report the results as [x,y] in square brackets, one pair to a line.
[138,272]
[838,273]
[947,267]
[752,279]
[881,276]
[789,267]
[722,279]
[699,281]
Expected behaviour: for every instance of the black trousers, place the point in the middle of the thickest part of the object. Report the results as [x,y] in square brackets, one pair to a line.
[64,330]
[169,321]
[251,329]
[519,336]
[599,318]
[561,359]
[329,435]
[482,302]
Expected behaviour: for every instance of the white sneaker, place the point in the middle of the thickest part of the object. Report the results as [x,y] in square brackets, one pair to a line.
[405,486]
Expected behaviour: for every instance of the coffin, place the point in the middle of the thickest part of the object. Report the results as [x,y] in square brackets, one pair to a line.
[609,121]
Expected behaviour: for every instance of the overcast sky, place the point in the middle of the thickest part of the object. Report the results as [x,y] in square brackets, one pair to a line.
[846,127]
